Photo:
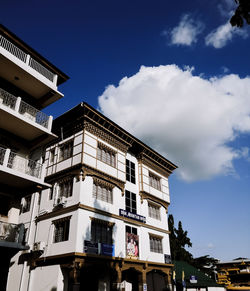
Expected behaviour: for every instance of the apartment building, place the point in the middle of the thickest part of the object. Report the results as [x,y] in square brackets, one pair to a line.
[28,83]
[103,223]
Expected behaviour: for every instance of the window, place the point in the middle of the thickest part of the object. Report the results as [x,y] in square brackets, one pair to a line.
[130,201]
[25,204]
[65,188]
[52,156]
[102,192]
[51,192]
[61,229]
[154,211]
[130,229]
[106,155]
[66,150]
[130,171]
[101,231]
[154,181]
[155,244]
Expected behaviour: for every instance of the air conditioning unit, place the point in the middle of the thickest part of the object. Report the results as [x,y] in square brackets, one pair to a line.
[61,201]
[39,246]
[42,212]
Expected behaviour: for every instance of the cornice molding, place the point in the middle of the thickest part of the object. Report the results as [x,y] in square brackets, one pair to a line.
[107,136]
[148,196]
[99,211]
[152,164]
[110,180]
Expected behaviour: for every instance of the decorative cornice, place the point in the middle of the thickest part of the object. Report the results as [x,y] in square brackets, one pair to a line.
[99,211]
[107,136]
[82,259]
[152,164]
[103,183]
[89,171]
[148,196]
[81,171]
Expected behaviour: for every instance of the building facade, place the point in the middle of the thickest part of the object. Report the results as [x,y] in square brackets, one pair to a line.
[28,83]
[104,219]
[234,275]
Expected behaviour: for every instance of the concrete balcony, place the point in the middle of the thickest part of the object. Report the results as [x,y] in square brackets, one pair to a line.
[26,73]
[22,119]
[12,236]
[19,172]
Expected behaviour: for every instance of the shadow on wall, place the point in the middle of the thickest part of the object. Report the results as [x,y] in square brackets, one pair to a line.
[53,289]
[97,205]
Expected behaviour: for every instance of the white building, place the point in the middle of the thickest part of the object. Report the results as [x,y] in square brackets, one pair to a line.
[28,83]
[104,220]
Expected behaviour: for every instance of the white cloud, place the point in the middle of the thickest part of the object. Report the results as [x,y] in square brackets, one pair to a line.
[210,245]
[188,119]
[223,34]
[226,8]
[186,32]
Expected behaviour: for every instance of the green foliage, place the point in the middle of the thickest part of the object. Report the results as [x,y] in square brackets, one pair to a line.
[178,241]
[205,264]
[242,12]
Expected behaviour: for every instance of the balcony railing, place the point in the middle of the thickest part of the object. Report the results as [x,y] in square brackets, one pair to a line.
[22,56]
[10,232]
[16,162]
[23,108]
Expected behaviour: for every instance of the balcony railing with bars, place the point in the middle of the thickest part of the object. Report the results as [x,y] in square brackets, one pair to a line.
[25,58]
[10,232]
[23,108]
[16,162]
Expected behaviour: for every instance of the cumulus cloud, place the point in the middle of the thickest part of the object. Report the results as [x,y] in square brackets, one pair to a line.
[223,34]
[189,119]
[186,32]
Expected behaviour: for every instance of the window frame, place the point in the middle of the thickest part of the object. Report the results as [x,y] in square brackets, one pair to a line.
[67,186]
[101,231]
[155,243]
[130,171]
[106,154]
[66,150]
[157,209]
[154,180]
[61,229]
[102,192]
[130,197]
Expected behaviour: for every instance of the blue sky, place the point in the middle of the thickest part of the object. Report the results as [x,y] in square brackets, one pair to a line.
[174,74]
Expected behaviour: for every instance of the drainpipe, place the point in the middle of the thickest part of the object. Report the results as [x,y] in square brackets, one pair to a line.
[28,240]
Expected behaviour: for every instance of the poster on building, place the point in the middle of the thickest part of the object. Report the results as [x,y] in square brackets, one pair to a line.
[132,245]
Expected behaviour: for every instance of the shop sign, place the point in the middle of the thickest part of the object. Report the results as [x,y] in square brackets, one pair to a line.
[131,215]
[90,247]
[193,279]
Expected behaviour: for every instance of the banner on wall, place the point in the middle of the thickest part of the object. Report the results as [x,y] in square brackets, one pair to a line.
[132,245]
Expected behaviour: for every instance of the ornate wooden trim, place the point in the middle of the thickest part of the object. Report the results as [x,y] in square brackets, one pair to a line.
[103,183]
[107,136]
[153,164]
[102,221]
[111,181]
[155,235]
[148,196]
[99,211]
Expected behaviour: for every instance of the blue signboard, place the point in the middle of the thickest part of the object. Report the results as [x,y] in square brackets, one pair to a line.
[131,215]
